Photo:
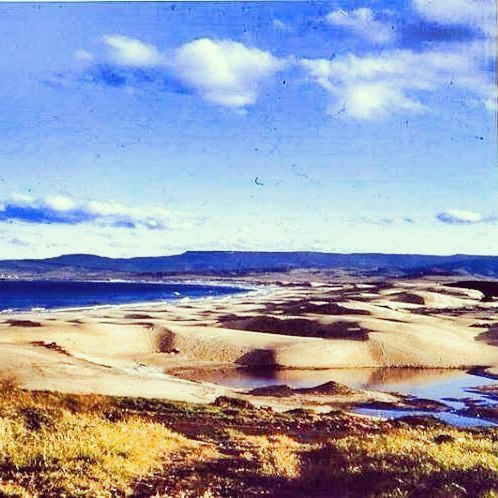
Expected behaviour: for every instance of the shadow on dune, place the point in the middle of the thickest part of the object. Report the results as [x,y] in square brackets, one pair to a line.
[304,306]
[299,327]
[23,323]
[408,298]
[490,336]
[488,288]
[163,340]
[262,357]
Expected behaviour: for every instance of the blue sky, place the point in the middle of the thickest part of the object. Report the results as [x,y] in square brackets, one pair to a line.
[152,128]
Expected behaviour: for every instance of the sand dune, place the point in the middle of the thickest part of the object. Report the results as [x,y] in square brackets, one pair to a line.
[128,349]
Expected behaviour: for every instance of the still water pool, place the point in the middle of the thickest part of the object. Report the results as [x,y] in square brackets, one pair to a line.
[450,387]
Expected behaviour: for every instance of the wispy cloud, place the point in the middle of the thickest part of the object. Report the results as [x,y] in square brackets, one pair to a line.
[129,52]
[460,216]
[373,86]
[61,209]
[379,219]
[456,48]
[18,242]
[281,25]
[478,14]
[83,56]
[364,23]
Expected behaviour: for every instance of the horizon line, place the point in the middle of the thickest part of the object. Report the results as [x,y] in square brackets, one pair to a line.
[228,251]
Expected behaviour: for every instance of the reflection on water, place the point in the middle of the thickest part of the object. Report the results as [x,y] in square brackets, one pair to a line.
[443,385]
[427,383]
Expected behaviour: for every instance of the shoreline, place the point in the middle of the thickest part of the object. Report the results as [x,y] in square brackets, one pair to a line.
[243,290]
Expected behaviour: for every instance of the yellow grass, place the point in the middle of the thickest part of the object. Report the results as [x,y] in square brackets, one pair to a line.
[398,462]
[56,445]
[276,456]
[442,461]
[72,446]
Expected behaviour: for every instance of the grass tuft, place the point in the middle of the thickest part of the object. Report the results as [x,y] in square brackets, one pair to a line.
[276,456]
[9,383]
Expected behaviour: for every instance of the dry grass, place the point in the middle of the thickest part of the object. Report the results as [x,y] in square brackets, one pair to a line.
[61,445]
[55,445]
[403,461]
[416,461]
[275,456]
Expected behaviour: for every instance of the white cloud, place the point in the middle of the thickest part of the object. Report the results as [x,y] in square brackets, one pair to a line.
[372,100]
[459,216]
[61,209]
[491,104]
[372,218]
[365,87]
[363,22]
[60,203]
[83,55]
[372,86]
[125,51]
[478,14]
[224,72]
[281,25]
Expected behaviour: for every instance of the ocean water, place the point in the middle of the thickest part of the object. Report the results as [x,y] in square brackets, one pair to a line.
[18,295]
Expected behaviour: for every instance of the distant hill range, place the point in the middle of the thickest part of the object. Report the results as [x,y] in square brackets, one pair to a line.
[233,262]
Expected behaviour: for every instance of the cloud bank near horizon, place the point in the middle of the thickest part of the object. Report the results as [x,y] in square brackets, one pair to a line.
[462,217]
[65,210]
[61,209]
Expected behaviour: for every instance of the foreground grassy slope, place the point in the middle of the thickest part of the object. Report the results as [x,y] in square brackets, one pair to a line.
[57,445]
[66,445]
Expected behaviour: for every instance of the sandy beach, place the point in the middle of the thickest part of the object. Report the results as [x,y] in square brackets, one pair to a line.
[147,350]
